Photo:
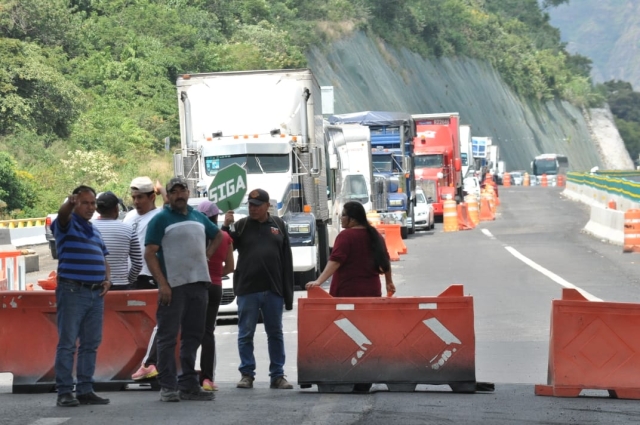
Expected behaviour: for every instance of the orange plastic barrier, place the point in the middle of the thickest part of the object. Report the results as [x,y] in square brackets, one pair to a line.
[631,231]
[449,216]
[464,222]
[49,283]
[526,180]
[472,207]
[29,336]
[560,180]
[3,281]
[393,255]
[486,214]
[506,179]
[543,180]
[398,341]
[393,238]
[593,345]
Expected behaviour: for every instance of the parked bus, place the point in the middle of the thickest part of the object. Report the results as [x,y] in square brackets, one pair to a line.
[551,164]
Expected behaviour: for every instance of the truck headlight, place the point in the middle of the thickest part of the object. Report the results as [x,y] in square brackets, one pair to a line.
[395,203]
[297,229]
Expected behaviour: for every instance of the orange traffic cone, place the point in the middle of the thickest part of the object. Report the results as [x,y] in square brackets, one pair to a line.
[486,214]
[464,223]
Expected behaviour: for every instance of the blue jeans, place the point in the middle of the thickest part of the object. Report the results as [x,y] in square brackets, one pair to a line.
[249,307]
[185,315]
[80,312]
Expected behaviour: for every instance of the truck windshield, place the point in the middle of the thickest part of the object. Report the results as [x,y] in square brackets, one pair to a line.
[382,162]
[545,166]
[429,161]
[355,187]
[254,164]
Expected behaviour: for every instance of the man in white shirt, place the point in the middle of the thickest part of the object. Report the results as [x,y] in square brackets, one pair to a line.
[143,193]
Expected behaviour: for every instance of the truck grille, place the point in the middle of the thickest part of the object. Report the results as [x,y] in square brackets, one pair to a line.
[227,296]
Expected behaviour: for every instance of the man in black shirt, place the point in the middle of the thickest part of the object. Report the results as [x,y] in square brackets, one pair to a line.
[263,281]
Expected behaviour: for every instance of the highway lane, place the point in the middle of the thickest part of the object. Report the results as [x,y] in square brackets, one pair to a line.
[512,303]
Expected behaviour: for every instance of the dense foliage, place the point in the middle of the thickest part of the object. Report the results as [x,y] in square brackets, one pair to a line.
[87,86]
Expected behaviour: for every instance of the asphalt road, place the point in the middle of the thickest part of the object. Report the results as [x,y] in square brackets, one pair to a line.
[513,267]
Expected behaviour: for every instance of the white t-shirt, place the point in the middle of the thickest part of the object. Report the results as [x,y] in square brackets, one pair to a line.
[139,224]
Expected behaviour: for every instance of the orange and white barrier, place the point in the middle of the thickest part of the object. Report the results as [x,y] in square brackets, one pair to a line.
[449,216]
[399,341]
[506,179]
[486,212]
[472,207]
[29,336]
[393,254]
[464,222]
[393,238]
[593,345]
[631,231]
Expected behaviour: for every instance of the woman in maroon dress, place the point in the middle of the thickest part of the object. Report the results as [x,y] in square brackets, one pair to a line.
[358,258]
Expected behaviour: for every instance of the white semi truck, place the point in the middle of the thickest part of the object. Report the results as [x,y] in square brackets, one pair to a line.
[351,170]
[465,150]
[270,123]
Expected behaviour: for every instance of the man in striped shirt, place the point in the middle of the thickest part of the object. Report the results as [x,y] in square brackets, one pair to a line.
[125,255]
[83,280]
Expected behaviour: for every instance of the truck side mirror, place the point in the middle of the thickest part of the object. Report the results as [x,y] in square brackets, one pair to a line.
[457,165]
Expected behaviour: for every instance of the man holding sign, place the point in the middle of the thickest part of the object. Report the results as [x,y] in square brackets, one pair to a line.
[263,281]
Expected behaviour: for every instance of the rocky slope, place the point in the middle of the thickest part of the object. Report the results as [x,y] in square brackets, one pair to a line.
[370,75]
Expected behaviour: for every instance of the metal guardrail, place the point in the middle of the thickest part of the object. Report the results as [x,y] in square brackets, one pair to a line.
[23,222]
[613,185]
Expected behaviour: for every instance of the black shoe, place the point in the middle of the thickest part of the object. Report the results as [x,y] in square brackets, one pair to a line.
[91,398]
[67,400]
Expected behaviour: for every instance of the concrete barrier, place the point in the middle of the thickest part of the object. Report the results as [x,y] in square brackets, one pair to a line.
[605,223]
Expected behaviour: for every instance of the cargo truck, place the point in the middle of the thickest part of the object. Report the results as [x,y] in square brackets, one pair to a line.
[392,160]
[350,170]
[437,157]
[270,123]
[466,158]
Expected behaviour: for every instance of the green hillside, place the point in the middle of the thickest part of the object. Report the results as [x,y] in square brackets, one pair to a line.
[87,86]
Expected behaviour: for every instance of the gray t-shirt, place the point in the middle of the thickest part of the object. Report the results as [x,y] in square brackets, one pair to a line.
[183,241]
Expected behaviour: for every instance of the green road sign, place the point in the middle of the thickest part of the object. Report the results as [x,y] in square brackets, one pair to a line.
[228,187]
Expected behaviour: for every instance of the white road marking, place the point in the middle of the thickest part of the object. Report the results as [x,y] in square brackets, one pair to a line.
[488,233]
[50,421]
[550,274]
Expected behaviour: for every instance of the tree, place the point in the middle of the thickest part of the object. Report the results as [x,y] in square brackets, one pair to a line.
[14,190]
[33,93]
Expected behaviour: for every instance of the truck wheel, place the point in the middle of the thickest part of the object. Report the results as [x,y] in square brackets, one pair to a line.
[404,232]
[54,251]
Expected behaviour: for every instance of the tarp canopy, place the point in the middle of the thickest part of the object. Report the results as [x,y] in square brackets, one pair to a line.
[373,118]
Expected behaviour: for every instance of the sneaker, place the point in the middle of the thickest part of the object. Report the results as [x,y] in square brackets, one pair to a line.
[169,395]
[67,400]
[208,385]
[145,373]
[245,382]
[91,398]
[280,383]
[197,394]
